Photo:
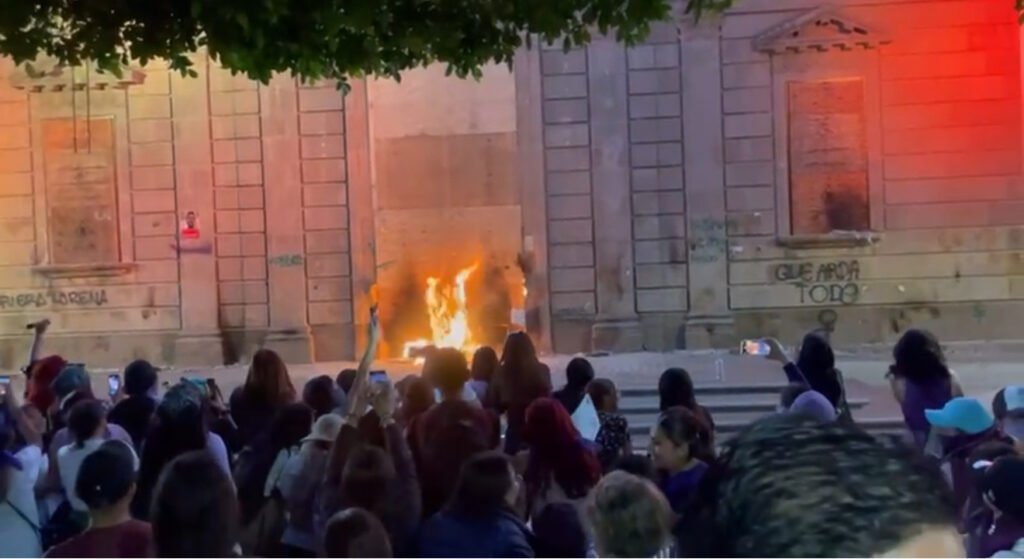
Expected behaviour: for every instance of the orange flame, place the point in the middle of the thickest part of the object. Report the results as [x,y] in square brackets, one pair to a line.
[448,313]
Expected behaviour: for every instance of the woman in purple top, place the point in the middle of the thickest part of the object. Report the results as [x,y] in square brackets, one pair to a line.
[920,380]
[675,440]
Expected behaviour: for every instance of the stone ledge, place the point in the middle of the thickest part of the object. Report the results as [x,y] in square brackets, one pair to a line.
[62,271]
[835,239]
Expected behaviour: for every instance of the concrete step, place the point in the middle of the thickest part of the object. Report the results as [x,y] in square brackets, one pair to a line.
[724,403]
[703,390]
[725,428]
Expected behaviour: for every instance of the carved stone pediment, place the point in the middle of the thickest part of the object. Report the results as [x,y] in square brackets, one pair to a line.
[46,74]
[819,30]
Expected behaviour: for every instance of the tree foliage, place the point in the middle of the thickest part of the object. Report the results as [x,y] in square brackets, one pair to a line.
[315,39]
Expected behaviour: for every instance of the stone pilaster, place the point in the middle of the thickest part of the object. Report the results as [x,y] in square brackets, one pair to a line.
[617,326]
[199,342]
[288,333]
[709,323]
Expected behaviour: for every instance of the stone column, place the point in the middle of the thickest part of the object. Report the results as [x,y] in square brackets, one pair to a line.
[361,210]
[530,141]
[199,341]
[709,323]
[617,327]
[288,332]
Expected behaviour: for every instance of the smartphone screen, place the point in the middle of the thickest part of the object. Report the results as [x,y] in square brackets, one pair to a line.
[5,383]
[113,383]
[754,347]
[378,376]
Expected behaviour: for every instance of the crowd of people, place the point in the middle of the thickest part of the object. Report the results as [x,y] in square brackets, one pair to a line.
[487,459]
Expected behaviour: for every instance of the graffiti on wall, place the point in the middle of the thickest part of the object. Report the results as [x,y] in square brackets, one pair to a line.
[68,298]
[823,283]
[708,242]
[286,260]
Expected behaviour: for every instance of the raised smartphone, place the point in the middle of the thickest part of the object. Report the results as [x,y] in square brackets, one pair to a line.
[754,347]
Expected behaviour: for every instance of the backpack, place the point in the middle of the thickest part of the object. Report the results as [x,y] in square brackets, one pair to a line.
[64,524]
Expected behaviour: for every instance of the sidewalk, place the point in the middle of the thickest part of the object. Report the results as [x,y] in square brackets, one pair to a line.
[864,374]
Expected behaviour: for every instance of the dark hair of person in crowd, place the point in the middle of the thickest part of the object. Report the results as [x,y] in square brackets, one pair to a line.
[140,378]
[365,478]
[918,357]
[520,370]
[639,465]
[557,452]
[985,452]
[559,532]
[518,351]
[1003,483]
[790,393]
[178,427]
[578,374]
[290,426]
[675,388]
[268,382]
[356,532]
[485,364]
[319,394]
[346,379]
[418,398]
[195,513]
[681,427]
[773,484]
[85,420]
[107,476]
[603,393]
[817,362]
[449,372]
[484,485]
[629,516]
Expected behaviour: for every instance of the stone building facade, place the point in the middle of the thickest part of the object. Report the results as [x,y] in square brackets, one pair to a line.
[788,166]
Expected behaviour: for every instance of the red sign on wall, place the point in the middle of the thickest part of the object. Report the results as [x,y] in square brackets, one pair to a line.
[190,226]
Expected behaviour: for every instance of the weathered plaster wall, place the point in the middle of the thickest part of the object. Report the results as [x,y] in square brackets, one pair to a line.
[945,174]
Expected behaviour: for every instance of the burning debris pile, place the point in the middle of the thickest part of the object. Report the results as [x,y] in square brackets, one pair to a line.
[449,317]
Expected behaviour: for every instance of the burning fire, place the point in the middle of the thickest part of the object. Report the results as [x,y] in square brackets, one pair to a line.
[449,318]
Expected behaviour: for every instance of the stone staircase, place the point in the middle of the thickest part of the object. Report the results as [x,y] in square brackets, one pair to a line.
[733,407]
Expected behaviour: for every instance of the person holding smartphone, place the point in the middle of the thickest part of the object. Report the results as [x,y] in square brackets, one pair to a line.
[816,367]
[135,410]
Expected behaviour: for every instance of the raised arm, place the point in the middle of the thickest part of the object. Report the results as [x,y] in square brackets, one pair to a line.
[384,401]
[38,329]
[778,354]
[358,401]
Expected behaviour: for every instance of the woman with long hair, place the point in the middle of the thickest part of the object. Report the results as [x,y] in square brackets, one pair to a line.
[675,388]
[179,426]
[479,519]
[815,367]
[920,380]
[482,371]
[267,389]
[521,379]
[261,465]
[559,465]
[680,455]
[195,513]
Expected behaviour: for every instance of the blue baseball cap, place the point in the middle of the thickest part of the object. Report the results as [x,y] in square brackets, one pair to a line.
[966,414]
